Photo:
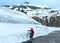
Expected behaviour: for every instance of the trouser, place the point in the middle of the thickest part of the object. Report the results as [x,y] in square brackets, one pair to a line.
[31,36]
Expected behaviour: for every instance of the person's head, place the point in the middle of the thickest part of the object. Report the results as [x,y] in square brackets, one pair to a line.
[31,28]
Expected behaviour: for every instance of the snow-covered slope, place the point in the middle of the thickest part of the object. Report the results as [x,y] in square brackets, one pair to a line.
[10,30]
[17,33]
[7,15]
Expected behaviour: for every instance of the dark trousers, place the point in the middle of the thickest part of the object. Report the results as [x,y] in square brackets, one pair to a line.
[31,36]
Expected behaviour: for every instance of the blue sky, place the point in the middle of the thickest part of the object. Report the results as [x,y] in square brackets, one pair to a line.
[50,3]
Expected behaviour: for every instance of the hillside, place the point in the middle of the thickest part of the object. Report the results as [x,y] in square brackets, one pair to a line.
[37,12]
[14,17]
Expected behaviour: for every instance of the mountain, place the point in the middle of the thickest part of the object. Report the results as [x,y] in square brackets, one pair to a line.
[33,10]
[14,26]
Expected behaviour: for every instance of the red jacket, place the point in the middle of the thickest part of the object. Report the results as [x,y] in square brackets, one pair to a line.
[32,31]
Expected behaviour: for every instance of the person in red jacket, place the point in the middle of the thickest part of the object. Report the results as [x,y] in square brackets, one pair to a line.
[31,33]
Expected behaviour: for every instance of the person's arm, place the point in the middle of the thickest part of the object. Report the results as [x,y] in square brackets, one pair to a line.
[29,30]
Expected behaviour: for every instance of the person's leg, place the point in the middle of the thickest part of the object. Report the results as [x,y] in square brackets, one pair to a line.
[30,36]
